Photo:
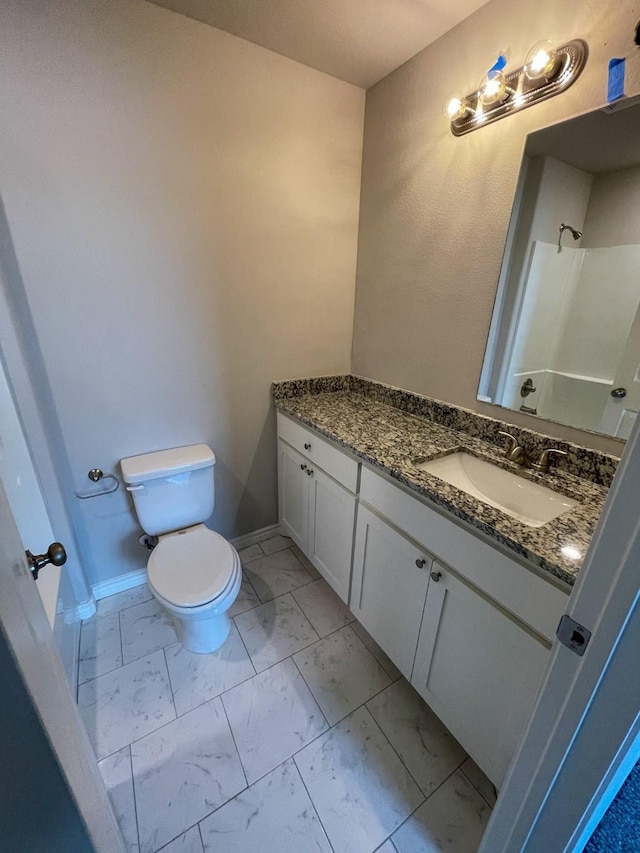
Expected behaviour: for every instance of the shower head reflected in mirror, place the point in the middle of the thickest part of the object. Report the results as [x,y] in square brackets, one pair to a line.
[574,232]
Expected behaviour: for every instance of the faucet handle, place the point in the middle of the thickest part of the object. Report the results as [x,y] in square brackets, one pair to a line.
[513,442]
[542,462]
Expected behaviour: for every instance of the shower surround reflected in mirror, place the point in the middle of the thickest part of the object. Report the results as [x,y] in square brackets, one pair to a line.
[564,342]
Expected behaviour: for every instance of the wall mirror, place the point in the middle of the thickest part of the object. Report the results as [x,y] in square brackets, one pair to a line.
[564,342]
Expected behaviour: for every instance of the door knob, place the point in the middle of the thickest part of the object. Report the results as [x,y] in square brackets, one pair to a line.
[55,554]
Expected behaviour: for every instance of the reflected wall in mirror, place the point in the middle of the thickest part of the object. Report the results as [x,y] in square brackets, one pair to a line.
[564,342]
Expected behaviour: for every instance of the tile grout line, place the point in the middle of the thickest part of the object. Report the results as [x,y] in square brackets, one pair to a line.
[475,787]
[313,805]
[135,799]
[173,698]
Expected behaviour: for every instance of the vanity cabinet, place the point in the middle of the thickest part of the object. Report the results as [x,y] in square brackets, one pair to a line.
[317,504]
[478,668]
[474,639]
[390,579]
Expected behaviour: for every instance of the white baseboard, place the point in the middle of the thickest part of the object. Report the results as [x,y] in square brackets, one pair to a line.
[118,584]
[256,536]
[83,610]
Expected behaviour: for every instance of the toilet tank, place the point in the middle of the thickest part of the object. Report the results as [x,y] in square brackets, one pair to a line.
[171,489]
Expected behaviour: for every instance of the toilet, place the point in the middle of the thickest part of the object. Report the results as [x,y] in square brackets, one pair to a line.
[194,573]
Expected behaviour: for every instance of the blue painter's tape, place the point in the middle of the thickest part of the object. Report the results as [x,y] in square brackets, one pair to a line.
[499,64]
[615,88]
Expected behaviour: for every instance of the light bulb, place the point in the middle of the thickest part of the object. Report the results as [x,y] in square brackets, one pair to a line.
[455,107]
[493,89]
[541,61]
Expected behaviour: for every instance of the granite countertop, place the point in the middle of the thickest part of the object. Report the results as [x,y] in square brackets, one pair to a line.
[390,439]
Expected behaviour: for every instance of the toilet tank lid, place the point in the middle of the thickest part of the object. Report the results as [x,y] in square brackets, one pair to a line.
[163,463]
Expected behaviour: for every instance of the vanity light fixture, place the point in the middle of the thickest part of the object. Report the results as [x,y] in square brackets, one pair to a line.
[546,72]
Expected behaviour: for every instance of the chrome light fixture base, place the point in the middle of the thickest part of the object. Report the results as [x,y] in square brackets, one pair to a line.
[524,92]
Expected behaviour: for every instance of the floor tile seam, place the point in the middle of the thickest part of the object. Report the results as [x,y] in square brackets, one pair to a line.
[183,832]
[313,805]
[475,787]
[95,677]
[425,797]
[216,696]
[173,699]
[301,606]
[135,799]
[289,591]
[200,834]
[233,738]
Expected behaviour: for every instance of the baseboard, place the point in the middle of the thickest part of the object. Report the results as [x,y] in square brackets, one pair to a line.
[83,610]
[106,588]
[255,537]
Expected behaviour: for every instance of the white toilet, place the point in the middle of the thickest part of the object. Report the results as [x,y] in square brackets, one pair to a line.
[193,572]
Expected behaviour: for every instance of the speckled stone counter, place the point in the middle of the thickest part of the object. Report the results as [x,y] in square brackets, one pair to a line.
[388,429]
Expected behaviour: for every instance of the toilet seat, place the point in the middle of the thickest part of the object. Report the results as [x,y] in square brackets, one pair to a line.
[192,567]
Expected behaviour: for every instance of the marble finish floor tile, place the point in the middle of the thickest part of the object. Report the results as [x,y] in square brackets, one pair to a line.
[126,704]
[323,607]
[452,820]
[197,678]
[361,790]
[122,600]
[145,628]
[427,748]
[387,847]
[274,814]
[275,543]
[272,716]
[276,574]
[246,600]
[189,842]
[480,782]
[341,673]
[306,562]
[118,780]
[252,552]
[274,631]
[383,659]
[182,772]
[100,649]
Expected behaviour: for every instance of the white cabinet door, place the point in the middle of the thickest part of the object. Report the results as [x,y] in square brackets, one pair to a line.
[478,669]
[293,494]
[390,578]
[331,517]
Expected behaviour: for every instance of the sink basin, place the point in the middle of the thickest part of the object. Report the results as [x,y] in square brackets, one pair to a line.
[528,502]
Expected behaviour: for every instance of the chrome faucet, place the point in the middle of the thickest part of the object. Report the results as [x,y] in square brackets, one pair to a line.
[516,453]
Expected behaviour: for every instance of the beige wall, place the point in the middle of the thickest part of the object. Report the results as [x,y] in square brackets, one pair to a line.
[613,215]
[184,207]
[435,209]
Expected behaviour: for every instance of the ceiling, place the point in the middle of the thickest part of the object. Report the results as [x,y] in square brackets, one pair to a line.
[359,41]
[600,141]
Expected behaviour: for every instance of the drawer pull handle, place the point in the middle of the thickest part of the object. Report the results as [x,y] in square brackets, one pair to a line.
[303,467]
[420,563]
[435,576]
[309,472]
[307,446]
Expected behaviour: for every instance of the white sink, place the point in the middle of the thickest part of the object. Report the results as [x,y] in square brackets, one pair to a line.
[529,502]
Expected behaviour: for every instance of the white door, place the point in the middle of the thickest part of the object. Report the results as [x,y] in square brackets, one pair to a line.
[620,412]
[478,669]
[390,578]
[26,641]
[293,494]
[331,516]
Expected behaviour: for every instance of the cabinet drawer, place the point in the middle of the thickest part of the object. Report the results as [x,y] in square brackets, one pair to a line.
[336,463]
[533,600]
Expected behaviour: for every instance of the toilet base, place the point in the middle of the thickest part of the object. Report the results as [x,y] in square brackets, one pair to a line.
[202,636]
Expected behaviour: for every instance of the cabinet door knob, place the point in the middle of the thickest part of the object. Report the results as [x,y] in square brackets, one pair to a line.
[303,467]
[435,576]
[420,563]
[309,472]
[307,446]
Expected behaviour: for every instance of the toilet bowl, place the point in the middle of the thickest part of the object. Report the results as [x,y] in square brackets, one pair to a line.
[195,574]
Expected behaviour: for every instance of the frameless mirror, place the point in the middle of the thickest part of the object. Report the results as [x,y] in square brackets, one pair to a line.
[564,342]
